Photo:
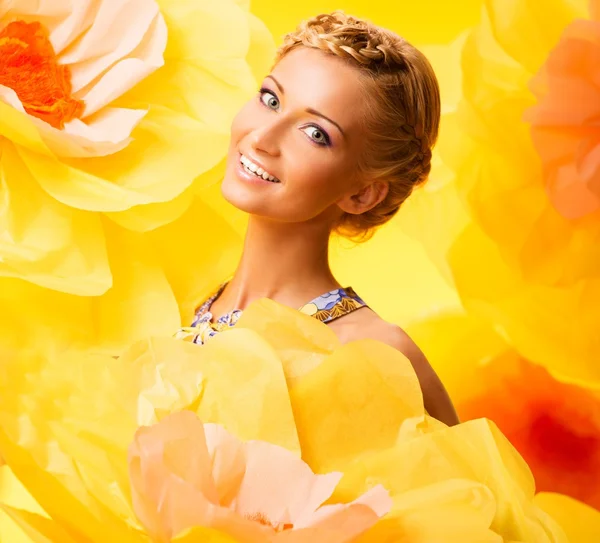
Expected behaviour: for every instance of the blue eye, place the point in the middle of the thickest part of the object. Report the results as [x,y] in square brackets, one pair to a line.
[269,99]
[318,135]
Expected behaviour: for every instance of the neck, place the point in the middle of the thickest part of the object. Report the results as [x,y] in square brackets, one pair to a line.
[287,263]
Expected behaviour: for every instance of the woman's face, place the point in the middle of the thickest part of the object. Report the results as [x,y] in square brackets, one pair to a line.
[303,129]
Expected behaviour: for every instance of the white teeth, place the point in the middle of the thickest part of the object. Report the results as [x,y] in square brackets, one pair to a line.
[256,170]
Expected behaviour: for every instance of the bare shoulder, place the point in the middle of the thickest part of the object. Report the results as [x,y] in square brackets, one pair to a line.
[366,324]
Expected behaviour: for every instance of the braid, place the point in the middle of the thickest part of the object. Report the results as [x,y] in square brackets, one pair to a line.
[405,117]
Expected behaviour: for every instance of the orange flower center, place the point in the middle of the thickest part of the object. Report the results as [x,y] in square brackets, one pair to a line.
[28,66]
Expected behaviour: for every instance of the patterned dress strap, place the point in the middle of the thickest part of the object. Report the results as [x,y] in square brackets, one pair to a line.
[333,305]
[205,306]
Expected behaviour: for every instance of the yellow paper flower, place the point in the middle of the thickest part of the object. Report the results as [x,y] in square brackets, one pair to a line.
[555,426]
[579,522]
[521,261]
[114,119]
[279,377]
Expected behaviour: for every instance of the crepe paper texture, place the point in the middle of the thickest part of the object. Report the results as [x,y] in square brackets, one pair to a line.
[279,377]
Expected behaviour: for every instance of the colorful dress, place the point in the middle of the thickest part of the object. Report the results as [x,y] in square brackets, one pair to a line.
[326,308]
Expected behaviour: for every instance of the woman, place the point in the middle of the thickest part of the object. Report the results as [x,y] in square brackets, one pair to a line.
[336,139]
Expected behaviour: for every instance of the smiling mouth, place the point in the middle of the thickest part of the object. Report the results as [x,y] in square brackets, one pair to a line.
[256,170]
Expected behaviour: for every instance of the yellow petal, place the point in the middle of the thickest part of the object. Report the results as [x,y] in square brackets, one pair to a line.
[197,253]
[221,53]
[579,521]
[37,527]
[73,509]
[44,241]
[302,343]
[17,127]
[150,216]
[452,510]
[141,302]
[538,319]
[473,451]
[527,30]
[339,405]
[160,163]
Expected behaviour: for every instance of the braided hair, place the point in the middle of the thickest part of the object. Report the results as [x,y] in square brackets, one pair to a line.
[403,116]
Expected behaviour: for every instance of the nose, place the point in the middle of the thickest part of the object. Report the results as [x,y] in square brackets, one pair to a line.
[266,139]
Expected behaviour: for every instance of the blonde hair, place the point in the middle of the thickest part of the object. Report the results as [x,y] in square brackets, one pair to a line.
[404,107]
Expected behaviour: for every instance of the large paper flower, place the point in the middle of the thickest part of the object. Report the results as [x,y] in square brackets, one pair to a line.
[185,474]
[279,377]
[521,261]
[114,119]
[554,425]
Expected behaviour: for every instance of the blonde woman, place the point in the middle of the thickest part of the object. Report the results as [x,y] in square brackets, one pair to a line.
[336,139]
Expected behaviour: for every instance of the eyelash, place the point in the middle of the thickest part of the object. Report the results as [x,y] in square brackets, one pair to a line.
[327,141]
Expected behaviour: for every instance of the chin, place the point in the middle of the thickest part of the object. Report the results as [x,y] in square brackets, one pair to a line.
[240,197]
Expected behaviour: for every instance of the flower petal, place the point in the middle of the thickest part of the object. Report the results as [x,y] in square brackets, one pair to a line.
[38,527]
[165,148]
[451,510]
[527,30]
[474,451]
[141,302]
[44,241]
[123,46]
[171,480]
[580,522]
[280,486]
[339,404]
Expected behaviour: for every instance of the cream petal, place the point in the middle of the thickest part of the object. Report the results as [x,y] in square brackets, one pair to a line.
[120,30]
[347,522]
[377,500]
[106,133]
[78,18]
[280,486]
[44,10]
[128,72]
[9,96]
[116,82]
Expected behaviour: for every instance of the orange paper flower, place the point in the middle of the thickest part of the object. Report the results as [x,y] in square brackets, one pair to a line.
[555,426]
[185,474]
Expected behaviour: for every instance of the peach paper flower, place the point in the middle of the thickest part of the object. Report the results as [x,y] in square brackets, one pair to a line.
[185,474]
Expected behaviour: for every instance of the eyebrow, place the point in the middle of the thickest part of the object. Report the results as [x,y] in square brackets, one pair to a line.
[309,110]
